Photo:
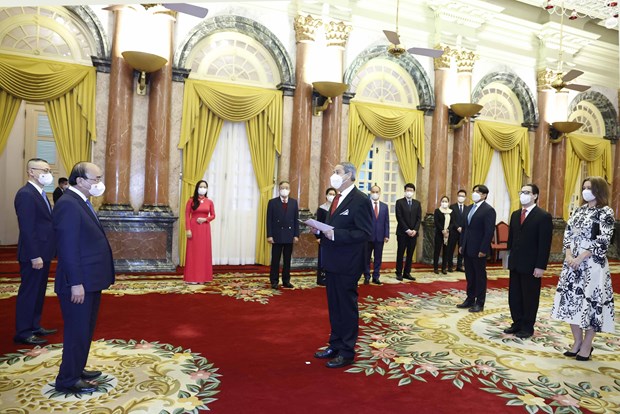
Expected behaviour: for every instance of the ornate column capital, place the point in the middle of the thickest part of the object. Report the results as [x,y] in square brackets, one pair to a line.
[305,28]
[444,61]
[544,77]
[337,34]
[465,60]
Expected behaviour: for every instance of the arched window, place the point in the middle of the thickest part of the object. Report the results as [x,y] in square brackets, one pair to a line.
[590,116]
[381,80]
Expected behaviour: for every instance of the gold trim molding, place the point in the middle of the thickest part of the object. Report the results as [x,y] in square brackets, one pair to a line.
[337,33]
[305,28]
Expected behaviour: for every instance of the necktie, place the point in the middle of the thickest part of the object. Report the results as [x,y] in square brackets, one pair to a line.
[461,208]
[471,212]
[409,203]
[523,211]
[376,209]
[334,204]
[284,205]
[90,206]
[47,202]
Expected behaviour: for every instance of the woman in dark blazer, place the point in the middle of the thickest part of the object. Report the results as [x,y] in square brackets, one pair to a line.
[321,215]
[442,233]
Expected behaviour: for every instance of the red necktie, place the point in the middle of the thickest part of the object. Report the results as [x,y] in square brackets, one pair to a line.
[334,204]
[523,211]
[376,209]
[284,205]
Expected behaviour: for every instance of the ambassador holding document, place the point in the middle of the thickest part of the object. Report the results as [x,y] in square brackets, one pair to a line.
[343,253]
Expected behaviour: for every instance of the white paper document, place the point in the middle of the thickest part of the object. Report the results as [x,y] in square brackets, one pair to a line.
[317,225]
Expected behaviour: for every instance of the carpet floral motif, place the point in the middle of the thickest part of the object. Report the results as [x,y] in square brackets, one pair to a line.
[138,377]
[415,337]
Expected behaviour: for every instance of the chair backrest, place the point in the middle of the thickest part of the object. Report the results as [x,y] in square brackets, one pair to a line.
[502,232]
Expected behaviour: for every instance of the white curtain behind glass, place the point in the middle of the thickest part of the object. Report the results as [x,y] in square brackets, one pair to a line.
[234,191]
[498,191]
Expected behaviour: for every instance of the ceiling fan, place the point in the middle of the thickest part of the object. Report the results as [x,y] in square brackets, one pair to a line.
[190,9]
[396,48]
[561,80]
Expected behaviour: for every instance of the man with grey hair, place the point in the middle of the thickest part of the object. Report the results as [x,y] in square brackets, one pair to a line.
[343,252]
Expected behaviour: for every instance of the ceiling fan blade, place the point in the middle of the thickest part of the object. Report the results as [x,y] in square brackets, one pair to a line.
[575,87]
[434,53]
[392,37]
[572,74]
[190,9]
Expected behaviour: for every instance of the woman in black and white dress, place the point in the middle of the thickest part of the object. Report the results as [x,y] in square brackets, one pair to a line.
[584,296]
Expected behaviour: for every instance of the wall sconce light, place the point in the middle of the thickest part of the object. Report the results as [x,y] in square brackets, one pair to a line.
[461,112]
[144,63]
[327,90]
[558,130]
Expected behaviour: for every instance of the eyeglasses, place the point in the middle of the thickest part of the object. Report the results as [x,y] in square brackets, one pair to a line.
[94,180]
[45,170]
[525,192]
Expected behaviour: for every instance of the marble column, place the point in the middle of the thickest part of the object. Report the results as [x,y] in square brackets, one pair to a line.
[558,169]
[461,151]
[120,109]
[541,149]
[299,172]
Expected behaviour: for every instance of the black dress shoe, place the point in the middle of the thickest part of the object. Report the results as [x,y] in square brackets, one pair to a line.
[465,305]
[287,285]
[460,269]
[42,331]
[450,270]
[398,277]
[80,387]
[444,272]
[31,340]
[329,353]
[366,281]
[524,334]
[274,286]
[436,271]
[377,282]
[476,308]
[339,362]
[88,375]
[511,330]
[408,277]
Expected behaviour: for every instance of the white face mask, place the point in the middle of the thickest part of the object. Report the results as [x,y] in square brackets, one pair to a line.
[97,189]
[525,199]
[336,181]
[461,199]
[202,190]
[330,198]
[588,195]
[444,204]
[374,196]
[409,194]
[284,192]
[475,197]
[45,179]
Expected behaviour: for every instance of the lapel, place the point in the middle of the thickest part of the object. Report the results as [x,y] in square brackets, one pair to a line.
[40,201]
[527,218]
[85,207]
[344,204]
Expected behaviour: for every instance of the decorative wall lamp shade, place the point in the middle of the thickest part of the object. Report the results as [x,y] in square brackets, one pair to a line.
[328,90]
[558,130]
[461,112]
[144,63]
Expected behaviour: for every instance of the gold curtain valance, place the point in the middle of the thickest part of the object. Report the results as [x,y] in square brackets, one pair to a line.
[404,126]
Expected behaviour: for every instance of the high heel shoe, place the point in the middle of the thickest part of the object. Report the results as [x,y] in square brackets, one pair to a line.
[571,354]
[582,358]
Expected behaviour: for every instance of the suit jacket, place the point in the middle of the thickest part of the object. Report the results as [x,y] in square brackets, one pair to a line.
[529,243]
[57,194]
[381,223]
[36,232]
[457,219]
[282,225]
[84,254]
[352,222]
[440,220]
[478,234]
[406,218]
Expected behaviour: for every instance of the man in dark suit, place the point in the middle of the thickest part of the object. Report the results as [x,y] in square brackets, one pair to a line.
[476,247]
[408,218]
[529,243]
[343,250]
[380,235]
[282,232]
[35,250]
[456,228]
[85,268]
[63,184]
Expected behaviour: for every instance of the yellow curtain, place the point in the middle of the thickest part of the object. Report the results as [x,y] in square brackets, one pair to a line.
[205,106]
[513,144]
[404,126]
[595,151]
[68,91]
[9,106]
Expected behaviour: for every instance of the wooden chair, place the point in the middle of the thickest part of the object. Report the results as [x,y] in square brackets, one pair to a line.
[500,240]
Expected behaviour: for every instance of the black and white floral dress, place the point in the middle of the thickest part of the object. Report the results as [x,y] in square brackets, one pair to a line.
[584,296]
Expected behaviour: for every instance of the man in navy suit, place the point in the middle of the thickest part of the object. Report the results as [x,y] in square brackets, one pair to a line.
[282,232]
[456,228]
[85,268]
[529,243]
[476,246]
[343,253]
[408,218]
[35,250]
[380,235]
